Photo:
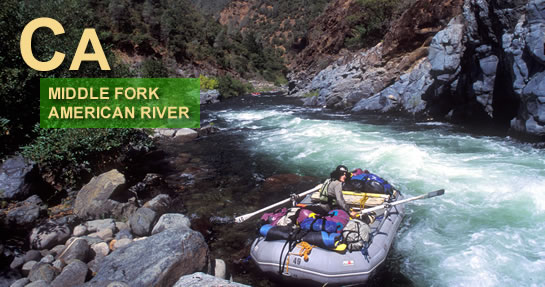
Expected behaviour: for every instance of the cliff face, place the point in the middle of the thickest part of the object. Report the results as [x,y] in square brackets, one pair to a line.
[468,61]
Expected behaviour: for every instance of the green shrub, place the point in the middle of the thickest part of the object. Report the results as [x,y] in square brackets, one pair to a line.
[208,83]
[231,87]
[72,155]
[311,94]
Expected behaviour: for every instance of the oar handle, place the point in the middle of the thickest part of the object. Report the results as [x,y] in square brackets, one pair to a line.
[245,217]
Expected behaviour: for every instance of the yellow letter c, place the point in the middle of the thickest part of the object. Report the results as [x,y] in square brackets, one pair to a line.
[26,44]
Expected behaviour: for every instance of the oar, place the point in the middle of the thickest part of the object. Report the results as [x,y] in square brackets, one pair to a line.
[245,217]
[423,196]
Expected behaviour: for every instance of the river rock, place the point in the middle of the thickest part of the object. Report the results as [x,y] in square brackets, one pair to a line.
[142,221]
[171,221]
[121,243]
[20,283]
[48,235]
[101,249]
[168,256]
[94,199]
[122,226]
[210,97]
[58,265]
[159,204]
[27,212]
[207,130]
[25,270]
[33,255]
[49,259]
[16,176]
[201,279]
[185,135]
[100,224]
[72,275]
[57,249]
[39,283]
[79,230]
[17,262]
[78,249]
[43,272]
[124,233]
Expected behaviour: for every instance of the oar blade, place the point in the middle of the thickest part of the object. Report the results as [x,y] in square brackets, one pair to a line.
[436,193]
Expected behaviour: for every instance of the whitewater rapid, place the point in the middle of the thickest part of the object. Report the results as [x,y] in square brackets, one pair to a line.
[487,230]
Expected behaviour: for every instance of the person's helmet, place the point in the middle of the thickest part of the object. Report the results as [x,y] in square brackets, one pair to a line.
[342,168]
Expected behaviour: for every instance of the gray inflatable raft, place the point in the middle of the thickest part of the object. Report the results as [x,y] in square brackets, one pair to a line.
[326,266]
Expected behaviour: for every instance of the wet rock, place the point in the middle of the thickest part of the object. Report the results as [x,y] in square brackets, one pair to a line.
[20,283]
[142,221]
[16,176]
[95,198]
[78,249]
[48,235]
[160,204]
[26,213]
[201,279]
[207,130]
[72,275]
[185,135]
[169,255]
[171,221]
[48,259]
[210,97]
[27,267]
[43,272]
[17,262]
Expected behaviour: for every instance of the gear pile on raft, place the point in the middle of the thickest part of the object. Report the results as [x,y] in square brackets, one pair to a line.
[308,242]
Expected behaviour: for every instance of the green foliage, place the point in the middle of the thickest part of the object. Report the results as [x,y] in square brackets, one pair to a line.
[370,22]
[311,94]
[73,154]
[230,87]
[153,68]
[208,83]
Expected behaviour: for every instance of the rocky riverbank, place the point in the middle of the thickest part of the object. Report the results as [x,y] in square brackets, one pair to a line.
[110,231]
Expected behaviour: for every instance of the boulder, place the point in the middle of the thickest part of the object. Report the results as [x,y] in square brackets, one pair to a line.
[33,255]
[39,283]
[210,97]
[72,275]
[78,249]
[100,224]
[101,249]
[20,283]
[49,259]
[159,204]
[142,221]
[26,212]
[79,230]
[16,177]
[27,267]
[201,279]
[17,262]
[171,221]
[121,243]
[48,235]
[185,135]
[159,260]
[43,272]
[95,198]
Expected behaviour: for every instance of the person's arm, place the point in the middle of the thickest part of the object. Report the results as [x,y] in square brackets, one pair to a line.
[340,198]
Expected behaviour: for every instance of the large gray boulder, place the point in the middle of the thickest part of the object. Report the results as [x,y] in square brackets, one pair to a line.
[77,249]
[95,198]
[16,176]
[201,279]
[210,97]
[159,260]
[26,212]
[171,221]
[49,235]
[72,275]
[43,272]
[142,221]
[159,204]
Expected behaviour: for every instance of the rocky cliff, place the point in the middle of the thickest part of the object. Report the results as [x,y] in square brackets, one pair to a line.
[467,61]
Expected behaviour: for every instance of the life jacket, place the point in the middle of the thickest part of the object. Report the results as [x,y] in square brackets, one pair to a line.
[369,183]
[324,198]
[356,234]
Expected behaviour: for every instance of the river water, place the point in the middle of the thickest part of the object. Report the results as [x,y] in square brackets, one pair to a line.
[487,230]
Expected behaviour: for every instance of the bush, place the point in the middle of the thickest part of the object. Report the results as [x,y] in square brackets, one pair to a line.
[208,83]
[68,156]
[231,87]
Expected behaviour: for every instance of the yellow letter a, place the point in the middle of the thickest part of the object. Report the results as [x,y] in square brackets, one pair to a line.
[89,35]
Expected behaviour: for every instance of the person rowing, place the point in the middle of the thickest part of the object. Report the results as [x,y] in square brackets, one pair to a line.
[331,195]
